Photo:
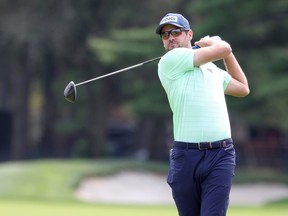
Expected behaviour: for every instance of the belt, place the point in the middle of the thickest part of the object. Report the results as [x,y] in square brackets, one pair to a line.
[204,145]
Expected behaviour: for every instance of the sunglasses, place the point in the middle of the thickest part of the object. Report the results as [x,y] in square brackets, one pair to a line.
[174,32]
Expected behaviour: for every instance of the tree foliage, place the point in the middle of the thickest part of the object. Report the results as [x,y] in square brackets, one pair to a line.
[256,30]
[45,44]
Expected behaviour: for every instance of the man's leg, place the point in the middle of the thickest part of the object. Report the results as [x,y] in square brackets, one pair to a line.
[217,184]
[181,178]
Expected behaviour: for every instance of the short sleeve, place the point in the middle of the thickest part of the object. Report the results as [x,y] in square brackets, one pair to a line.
[226,79]
[176,62]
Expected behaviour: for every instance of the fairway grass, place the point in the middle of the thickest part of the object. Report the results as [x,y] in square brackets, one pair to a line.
[36,208]
[30,208]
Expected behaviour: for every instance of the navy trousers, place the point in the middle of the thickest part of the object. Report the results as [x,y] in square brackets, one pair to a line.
[201,180]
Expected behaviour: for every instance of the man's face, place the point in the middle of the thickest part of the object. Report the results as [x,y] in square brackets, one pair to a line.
[180,38]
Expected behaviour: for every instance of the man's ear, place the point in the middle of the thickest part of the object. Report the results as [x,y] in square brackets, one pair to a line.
[190,34]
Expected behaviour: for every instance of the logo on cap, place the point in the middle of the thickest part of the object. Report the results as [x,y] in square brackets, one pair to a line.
[169,19]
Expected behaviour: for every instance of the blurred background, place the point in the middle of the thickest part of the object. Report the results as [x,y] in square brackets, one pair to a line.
[48,146]
[46,44]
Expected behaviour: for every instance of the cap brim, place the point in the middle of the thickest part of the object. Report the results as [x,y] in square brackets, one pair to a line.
[159,28]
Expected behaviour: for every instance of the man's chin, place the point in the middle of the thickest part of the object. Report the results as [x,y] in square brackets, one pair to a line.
[173,46]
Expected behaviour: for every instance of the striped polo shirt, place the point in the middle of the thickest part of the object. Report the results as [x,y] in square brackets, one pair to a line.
[196,97]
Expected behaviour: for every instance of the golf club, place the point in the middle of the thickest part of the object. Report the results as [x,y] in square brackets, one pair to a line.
[70,92]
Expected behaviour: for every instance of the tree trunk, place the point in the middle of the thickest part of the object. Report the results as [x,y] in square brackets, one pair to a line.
[20,105]
[152,137]
[48,143]
[97,122]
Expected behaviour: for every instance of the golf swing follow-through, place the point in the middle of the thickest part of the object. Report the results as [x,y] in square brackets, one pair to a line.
[202,159]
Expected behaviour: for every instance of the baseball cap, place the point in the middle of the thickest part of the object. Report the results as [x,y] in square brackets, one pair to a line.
[173,19]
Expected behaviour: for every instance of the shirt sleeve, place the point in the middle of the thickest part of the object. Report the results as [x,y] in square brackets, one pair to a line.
[176,62]
[226,78]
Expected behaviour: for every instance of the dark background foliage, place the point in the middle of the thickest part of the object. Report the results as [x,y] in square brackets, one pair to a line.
[46,44]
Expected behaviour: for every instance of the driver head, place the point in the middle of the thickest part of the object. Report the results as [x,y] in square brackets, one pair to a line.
[70,92]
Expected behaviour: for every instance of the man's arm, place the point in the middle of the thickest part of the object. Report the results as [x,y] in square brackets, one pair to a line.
[238,85]
[211,50]
[215,49]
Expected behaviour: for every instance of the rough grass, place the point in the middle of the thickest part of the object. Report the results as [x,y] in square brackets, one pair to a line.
[57,179]
[253,175]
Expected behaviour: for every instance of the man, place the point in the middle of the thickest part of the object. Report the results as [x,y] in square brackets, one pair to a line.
[202,160]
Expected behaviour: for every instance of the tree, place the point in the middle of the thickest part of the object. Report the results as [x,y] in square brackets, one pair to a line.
[51,43]
[46,44]
[250,27]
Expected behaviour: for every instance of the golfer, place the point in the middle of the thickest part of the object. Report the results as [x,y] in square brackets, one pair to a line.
[202,160]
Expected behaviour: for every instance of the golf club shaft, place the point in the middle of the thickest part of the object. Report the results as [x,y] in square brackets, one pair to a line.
[118,71]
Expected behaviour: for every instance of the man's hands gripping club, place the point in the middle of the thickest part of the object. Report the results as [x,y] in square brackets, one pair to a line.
[212,49]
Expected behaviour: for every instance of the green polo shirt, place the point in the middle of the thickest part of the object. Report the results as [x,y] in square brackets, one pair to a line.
[196,97]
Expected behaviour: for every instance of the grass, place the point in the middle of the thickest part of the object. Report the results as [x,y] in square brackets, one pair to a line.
[36,208]
[29,208]
[279,208]
[45,187]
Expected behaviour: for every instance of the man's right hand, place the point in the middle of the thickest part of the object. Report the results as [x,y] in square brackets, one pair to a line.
[207,41]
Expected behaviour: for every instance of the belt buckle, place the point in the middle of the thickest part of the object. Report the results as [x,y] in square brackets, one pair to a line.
[200,148]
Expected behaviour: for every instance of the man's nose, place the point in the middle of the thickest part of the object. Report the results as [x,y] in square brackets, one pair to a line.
[171,37]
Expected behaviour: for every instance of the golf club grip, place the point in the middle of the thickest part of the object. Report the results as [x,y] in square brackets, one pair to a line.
[217,38]
[151,60]
[155,59]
